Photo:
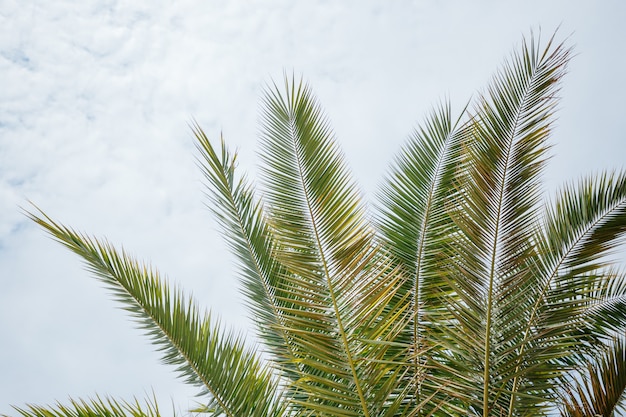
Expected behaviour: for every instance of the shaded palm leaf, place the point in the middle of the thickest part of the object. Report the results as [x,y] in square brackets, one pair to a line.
[601,390]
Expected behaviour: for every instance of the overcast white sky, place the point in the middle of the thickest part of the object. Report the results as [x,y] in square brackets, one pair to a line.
[95,98]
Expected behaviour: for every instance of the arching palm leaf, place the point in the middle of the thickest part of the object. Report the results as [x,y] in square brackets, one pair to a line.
[251,238]
[216,361]
[413,221]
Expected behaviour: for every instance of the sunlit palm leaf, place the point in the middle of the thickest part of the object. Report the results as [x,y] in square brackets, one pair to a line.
[215,360]
[249,235]
[339,277]
[496,210]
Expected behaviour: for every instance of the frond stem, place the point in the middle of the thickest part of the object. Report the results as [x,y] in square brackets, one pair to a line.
[545,288]
[494,254]
[342,332]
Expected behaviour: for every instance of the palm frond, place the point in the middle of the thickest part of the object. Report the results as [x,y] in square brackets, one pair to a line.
[580,292]
[98,407]
[413,222]
[205,355]
[601,390]
[577,294]
[410,197]
[339,276]
[585,225]
[497,212]
[248,233]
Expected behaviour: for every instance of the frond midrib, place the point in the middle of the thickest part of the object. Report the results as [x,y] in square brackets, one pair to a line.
[435,183]
[554,273]
[253,255]
[327,274]
[521,108]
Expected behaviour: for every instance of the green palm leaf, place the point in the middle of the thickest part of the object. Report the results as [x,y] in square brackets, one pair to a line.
[250,237]
[413,221]
[98,407]
[582,232]
[339,282]
[215,360]
[496,207]
[581,296]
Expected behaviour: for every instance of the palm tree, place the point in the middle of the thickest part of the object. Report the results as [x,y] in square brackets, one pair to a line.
[463,292]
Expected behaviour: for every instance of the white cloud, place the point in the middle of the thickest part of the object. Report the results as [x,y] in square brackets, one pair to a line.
[94,103]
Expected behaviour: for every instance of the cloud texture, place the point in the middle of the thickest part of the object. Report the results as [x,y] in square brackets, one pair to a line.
[95,101]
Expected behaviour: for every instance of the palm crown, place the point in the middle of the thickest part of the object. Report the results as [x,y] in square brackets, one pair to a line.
[464,293]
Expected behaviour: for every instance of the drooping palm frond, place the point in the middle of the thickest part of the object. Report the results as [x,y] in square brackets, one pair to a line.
[580,297]
[205,355]
[582,230]
[601,390]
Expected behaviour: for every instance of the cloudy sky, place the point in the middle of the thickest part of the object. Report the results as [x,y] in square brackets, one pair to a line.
[95,101]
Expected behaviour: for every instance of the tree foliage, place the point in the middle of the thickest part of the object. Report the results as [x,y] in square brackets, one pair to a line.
[463,292]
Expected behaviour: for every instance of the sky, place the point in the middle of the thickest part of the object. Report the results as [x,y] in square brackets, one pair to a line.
[96,98]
